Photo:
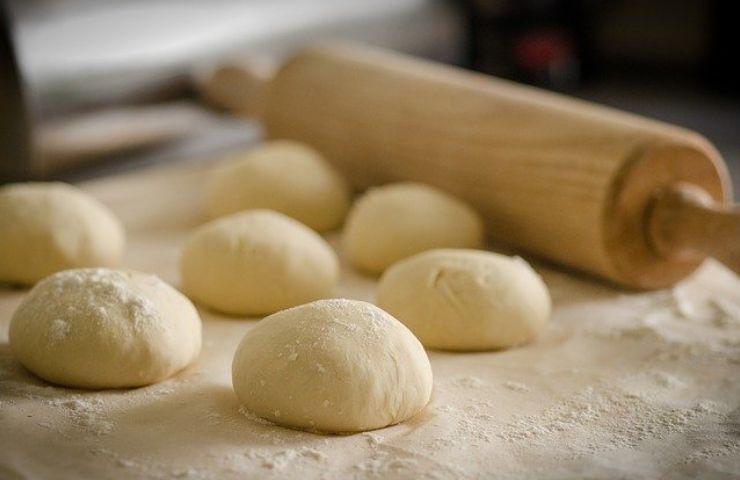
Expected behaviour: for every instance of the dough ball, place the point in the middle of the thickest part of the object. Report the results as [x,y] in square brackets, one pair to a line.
[466,299]
[282,175]
[396,221]
[49,227]
[102,328]
[334,366]
[256,263]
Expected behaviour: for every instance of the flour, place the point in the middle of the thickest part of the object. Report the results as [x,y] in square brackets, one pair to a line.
[723,449]
[105,290]
[281,459]
[667,380]
[516,386]
[254,418]
[384,464]
[58,331]
[122,462]
[726,314]
[87,414]
[624,386]
[187,472]
[389,461]
[471,382]
[373,439]
[603,418]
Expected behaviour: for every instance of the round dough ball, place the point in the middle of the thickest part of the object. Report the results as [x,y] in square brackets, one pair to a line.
[102,328]
[333,366]
[396,221]
[282,175]
[49,227]
[256,263]
[466,299]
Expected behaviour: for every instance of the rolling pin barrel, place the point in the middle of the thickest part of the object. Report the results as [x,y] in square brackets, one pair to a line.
[556,177]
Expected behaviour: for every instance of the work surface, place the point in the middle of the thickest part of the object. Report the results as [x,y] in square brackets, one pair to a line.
[620,385]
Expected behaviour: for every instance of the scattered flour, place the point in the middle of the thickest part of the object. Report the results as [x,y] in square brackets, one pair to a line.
[281,459]
[104,291]
[471,382]
[187,472]
[726,313]
[613,383]
[251,416]
[389,461]
[373,439]
[384,464]
[58,331]
[86,413]
[667,380]
[516,386]
[726,448]
[604,418]
[124,463]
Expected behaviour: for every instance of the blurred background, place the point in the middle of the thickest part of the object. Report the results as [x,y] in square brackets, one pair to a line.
[92,87]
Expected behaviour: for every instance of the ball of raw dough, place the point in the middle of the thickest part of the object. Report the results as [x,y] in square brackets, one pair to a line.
[334,366]
[282,175]
[103,328]
[48,227]
[466,299]
[256,263]
[393,222]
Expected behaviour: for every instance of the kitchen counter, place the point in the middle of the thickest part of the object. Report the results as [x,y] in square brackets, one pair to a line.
[620,385]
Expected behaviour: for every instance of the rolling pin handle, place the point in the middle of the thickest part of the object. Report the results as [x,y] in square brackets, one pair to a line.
[685,222]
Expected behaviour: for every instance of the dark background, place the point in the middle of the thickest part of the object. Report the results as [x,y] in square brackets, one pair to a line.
[670,60]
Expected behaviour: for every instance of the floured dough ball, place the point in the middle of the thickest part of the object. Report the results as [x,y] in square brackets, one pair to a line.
[289,177]
[102,328]
[48,227]
[393,222]
[466,299]
[333,366]
[256,263]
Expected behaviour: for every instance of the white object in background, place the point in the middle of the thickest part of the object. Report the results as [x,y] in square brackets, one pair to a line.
[92,52]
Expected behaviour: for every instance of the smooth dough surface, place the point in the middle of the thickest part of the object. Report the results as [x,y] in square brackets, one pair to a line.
[332,365]
[256,263]
[49,227]
[103,328]
[457,299]
[395,221]
[289,177]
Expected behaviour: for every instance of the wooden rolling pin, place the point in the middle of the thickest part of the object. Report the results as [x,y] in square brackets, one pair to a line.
[632,200]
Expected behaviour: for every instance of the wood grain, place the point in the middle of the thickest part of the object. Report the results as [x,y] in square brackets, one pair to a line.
[556,177]
[685,222]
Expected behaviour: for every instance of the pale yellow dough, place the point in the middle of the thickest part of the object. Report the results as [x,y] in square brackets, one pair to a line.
[395,221]
[289,177]
[256,263]
[334,366]
[102,328]
[456,299]
[48,227]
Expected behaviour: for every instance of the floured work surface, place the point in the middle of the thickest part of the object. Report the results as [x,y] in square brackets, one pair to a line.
[636,385]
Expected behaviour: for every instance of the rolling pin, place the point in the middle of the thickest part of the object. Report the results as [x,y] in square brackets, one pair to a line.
[632,200]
